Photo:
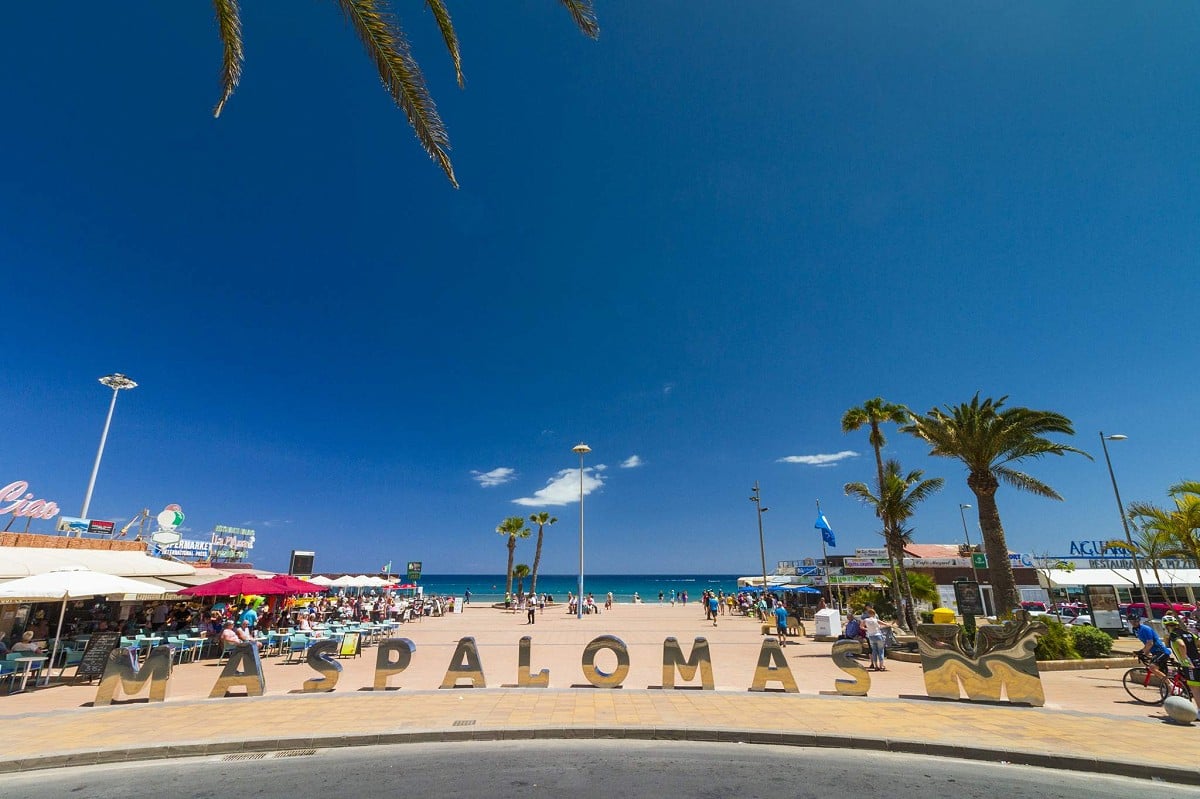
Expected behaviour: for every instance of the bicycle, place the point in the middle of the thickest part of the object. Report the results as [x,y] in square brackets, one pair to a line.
[1150,688]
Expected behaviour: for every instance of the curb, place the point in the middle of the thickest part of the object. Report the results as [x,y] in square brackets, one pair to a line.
[743,736]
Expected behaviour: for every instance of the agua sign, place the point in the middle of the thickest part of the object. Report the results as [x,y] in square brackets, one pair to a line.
[26,505]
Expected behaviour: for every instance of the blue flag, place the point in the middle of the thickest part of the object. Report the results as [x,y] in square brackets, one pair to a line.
[826,531]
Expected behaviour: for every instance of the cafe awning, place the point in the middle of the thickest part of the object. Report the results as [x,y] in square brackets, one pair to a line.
[17,562]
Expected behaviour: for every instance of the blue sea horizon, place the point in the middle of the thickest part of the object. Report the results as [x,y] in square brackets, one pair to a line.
[490,587]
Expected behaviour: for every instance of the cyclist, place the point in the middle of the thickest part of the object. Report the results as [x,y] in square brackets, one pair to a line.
[1154,654]
[1183,646]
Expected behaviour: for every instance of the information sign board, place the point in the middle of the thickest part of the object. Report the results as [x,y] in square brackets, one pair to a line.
[95,655]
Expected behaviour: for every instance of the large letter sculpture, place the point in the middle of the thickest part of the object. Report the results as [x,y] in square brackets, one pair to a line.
[599,678]
[465,665]
[843,657]
[773,667]
[318,657]
[386,665]
[1003,659]
[122,671]
[525,678]
[700,659]
[243,668]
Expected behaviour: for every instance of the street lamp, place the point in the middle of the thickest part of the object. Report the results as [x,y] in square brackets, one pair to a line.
[117,382]
[582,449]
[1125,522]
[962,514]
[757,500]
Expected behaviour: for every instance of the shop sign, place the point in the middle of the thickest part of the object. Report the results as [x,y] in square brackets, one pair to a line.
[937,563]
[871,552]
[864,563]
[231,543]
[1020,560]
[1095,549]
[979,561]
[189,550]
[21,503]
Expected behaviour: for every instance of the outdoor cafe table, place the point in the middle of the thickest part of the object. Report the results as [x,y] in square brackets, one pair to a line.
[27,666]
[197,648]
[147,642]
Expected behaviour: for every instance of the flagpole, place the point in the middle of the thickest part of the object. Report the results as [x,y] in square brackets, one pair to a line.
[825,561]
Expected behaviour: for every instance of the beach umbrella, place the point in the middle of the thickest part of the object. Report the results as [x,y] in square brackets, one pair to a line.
[72,583]
[345,581]
[321,580]
[297,586]
[238,584]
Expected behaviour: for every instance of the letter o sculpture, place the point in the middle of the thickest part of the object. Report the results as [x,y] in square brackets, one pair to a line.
[599,678]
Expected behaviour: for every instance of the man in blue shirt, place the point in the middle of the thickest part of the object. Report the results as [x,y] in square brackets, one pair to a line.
[1152,646]
[712,607]
[249,615]
[781,620]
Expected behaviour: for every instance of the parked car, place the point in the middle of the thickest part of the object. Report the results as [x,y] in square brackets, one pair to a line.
[1072,615]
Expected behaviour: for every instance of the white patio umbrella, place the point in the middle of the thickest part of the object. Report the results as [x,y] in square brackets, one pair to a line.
[68,584]
[321,579]
[345,581]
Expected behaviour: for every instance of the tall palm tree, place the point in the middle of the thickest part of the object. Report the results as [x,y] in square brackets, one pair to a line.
[1152,539]
[897,503]
[873,413]
[387,46]
[989,438]
[521,571]
[541,519]
[1176,530]
[513,527]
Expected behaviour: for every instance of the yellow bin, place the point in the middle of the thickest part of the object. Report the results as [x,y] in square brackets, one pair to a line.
[943,616]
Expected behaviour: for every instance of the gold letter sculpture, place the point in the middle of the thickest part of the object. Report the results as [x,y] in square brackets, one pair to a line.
[526,679]
[122,671]
[773,667]
[243,668]
[599,678]
[673,659]
[465,665]
[843,657]
[318,657]
[386,665]
[1003,658]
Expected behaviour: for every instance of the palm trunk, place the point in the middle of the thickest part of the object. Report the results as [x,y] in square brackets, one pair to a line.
[901,590]
[537,558]
[512,548]
[895,554]
[1004,587]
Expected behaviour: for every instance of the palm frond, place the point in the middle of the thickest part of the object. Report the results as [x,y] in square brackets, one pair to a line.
[229,25]
[1184,487]
[401,76]
[442,16]
[1025,482]
[584,15]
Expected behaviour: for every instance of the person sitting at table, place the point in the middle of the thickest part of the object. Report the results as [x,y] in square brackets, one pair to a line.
[303,623]
[229,636]
[26,643]
[246,634]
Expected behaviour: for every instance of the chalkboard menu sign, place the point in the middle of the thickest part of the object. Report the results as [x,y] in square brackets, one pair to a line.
[351,645]
[95,656]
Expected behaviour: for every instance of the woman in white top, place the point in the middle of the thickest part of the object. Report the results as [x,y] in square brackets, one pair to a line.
[875,637]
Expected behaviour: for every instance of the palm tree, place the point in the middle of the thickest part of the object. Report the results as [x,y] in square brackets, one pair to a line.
[989,438]
[896,504]
[1174,532]
[873,413]
[513,527]
[541,519]
[388,47]
[1151,541]
[521,571]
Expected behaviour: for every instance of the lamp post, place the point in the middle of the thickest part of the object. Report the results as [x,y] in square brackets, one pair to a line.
[757,500]
[962,508]
[117,382]
[1125,522]
[582,449]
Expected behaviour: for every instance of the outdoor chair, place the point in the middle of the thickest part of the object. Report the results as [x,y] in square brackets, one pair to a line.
[297,644]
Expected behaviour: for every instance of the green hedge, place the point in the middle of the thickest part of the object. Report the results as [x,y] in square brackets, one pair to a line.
[1057,642]
[1090,642]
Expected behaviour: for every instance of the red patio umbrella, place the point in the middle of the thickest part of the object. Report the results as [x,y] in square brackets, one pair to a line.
[297,586]
[240,584]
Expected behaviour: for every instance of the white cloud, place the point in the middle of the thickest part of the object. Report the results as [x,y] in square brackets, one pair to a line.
[821,459]
[668,388]
[563,488]
[632,462]
[496,477]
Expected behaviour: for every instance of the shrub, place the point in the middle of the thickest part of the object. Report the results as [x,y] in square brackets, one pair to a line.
[1090,642]
[927,617]
[1055,643]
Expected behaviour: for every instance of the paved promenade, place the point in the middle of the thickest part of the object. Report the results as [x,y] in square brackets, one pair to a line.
[1088,723]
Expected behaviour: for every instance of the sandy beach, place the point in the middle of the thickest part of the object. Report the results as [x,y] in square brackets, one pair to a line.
[558,642]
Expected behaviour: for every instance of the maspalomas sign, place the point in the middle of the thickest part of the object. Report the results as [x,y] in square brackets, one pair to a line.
[1001,662]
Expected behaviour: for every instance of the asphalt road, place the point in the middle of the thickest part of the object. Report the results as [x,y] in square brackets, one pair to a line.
[579,769]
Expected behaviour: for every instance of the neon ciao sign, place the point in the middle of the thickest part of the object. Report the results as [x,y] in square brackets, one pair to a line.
[1000,662]
[26,505]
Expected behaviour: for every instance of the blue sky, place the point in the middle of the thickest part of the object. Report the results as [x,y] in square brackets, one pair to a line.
[695,242]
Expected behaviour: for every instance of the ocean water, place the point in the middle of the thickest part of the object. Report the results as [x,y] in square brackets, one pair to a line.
[487,588]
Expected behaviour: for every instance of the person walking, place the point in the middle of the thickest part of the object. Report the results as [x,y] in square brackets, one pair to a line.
[467,597]
[876,631]
[781,622]
[713,604]
[531,609]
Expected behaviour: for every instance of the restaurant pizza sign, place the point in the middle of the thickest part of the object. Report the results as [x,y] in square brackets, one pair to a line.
[16,499]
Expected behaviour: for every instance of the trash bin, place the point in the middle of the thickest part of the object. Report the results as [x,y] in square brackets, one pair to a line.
[827,622]
[943,616]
